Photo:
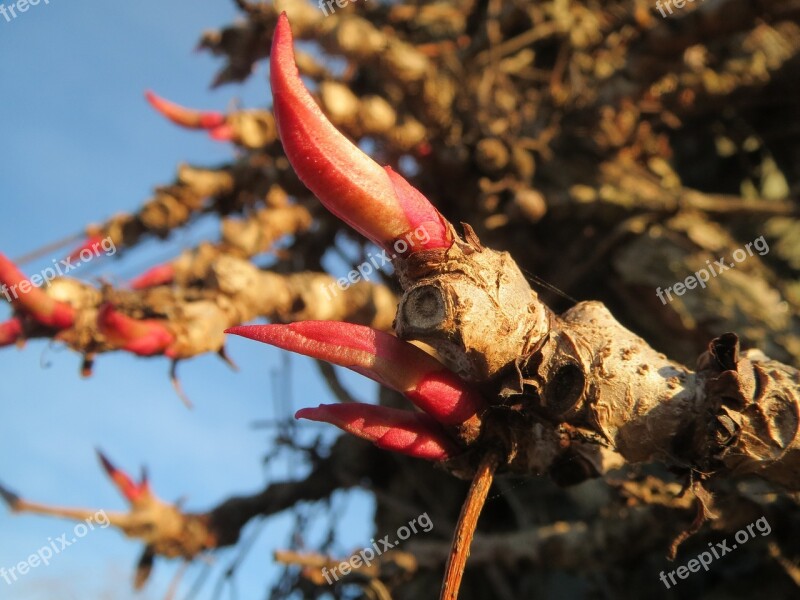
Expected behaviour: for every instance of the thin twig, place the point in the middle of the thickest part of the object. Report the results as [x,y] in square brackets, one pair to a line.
[792,570]
[465,529]
[48,249]
[174,585]
[176,385]
[516,43]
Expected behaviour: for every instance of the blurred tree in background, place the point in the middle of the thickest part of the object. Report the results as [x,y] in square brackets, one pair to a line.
[611,151]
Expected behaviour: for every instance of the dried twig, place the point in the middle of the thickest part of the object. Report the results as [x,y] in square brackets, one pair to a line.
[467,522]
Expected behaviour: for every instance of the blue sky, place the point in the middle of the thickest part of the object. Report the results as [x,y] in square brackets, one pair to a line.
[78,144]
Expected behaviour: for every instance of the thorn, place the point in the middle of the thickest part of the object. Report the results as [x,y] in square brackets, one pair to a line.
[144,567]
[176,385]
[223,354]
[87,365]
[9,497]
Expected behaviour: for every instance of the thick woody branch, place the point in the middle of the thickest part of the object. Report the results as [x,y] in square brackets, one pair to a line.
[235,291]
[583,378]
[229,189]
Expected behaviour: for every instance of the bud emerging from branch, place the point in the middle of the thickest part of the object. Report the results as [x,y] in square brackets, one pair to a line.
[158,275]
[132,491]
[29,299]
[382,357]
[91,244]
[414,434]
[378,203]
[10,331]
[214,122]
[145,338]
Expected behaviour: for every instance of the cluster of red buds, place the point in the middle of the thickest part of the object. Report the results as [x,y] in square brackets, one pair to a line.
[34,307]
[383,206]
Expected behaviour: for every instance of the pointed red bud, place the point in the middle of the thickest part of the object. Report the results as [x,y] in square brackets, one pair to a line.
[185,117]
[27,298]
[10,331]
[223,133]
[414,434]
[132,491]
[145,338]
[158,275]
[379,204]
[382,357]
[92,243]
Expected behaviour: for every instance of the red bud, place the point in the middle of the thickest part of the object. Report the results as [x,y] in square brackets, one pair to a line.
[29,299]
[133,492]
[91,244]
[383,207]
[185,117]
[223,133]
[10,331]
[158,275]
[414,434]
[145,338]
[382,357]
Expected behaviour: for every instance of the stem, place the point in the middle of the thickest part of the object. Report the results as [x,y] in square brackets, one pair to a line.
[48,249]
[465,528]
